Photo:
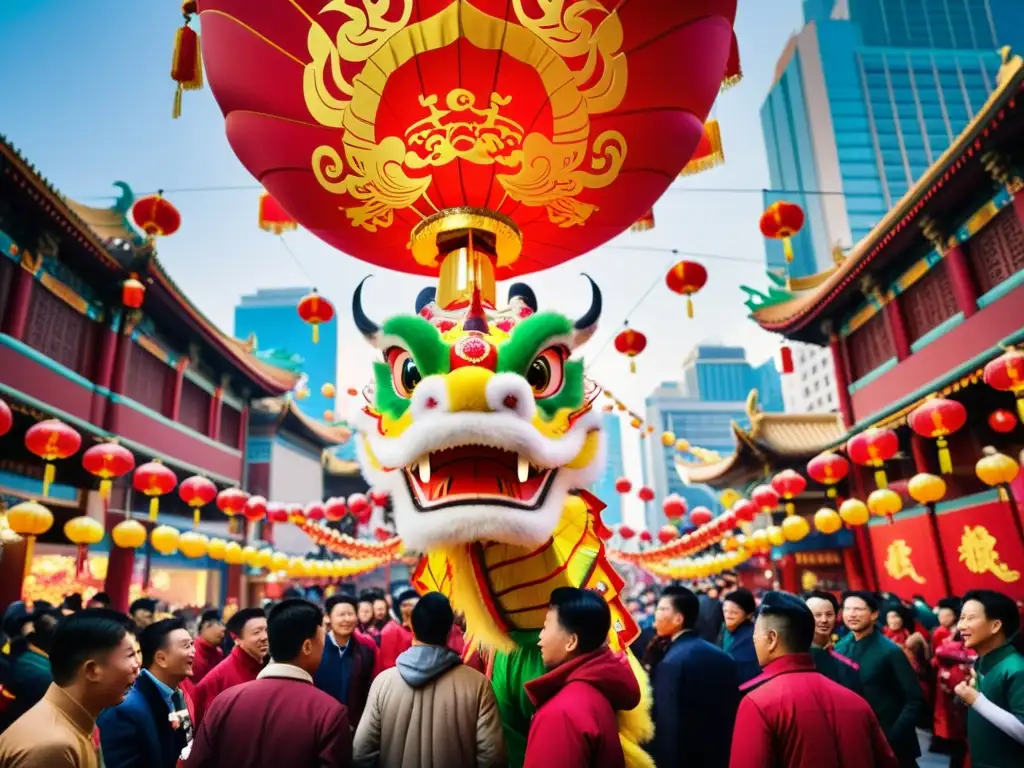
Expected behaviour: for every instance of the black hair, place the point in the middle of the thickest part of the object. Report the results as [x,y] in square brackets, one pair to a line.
[143,604]
[236,624]
[405,594]
[906,616]
[293,593]
[951,603]
[821,594]
[291,623]
[584,613]
[869,599]
[997,606]
[339,599]
[790,618]
[83,636]
[44,628]
[743,598]
[432,619]
[685,602]
[209,617]
[72,602]
[367,596]
[379,597]
[154,638]
[102,598]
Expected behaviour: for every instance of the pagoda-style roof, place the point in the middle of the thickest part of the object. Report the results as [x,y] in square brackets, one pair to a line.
[959,179]
[97,229]
[286,416]
[774,440]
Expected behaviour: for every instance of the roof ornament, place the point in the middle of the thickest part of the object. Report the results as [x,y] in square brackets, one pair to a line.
[754,409]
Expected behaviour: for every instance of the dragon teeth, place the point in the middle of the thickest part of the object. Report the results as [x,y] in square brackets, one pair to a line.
[524,469]
[423,466]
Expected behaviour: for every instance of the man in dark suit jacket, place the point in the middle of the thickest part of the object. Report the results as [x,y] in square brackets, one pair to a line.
[152,727]
[696,690]
[346,669]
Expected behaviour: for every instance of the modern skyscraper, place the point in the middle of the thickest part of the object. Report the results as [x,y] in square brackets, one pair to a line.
[283,339]
[867,95]
[604,488]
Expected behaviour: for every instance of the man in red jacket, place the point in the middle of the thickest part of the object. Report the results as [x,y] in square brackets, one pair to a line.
[281,719]
[209,637]
[248,627]
[576,700]
[793,716]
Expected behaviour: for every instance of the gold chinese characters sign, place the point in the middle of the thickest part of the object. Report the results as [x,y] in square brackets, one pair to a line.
[978,553]
[364,119]
[898,562]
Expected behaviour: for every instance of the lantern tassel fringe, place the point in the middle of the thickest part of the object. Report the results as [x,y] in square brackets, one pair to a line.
[30,545]
[945,460]
[1003,495]
[881,481]
[316,333]
[105,487]
[195,517]
[1020,406]
[689,306]
[49,475]
[790,508]
[187,74]
[714,158]
[632,366]
[831,492]
[787,249]
[154,508]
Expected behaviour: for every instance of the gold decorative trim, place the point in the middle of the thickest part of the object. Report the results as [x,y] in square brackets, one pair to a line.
[508,240]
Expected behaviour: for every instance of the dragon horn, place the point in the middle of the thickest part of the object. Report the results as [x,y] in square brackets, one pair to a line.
[585,327]
[366,326]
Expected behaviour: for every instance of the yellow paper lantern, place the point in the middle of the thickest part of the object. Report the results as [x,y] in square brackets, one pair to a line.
[682,445]
[327,390]
[854,512]
[926,489]
[668,439]
[884,503]
[759,540]
[83,530]
[233,554]
[249,556]
[795,528]
[30,518]
[217,549]
[295,569]
[164,539]
[193,545]
[996,470]
[263,558]
[776,536]
[129,534]
[278,561]
[729,496]
[827,521]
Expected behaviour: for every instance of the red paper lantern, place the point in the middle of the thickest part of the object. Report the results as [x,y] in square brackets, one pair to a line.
[6,418]
[378,498]
[52,440]
[381,534]
[296,514]
[709,153]
[273,218]
[315,511]
[789,484]
[872,448]
[630,343]
[745,510]
[623,485]
[701,516]
[828,469]
[255,509]
[1000,420]
[782,221]
[686,278]
[187,60]
[1006,373]
[156,216]
[667,533]
[766,497]
[315,310]
[645,537]
[674,506]
[108,461]
[786,360]
[360,507]
[277,512]
[197,491]
[626,533]
[645,494]
[231,501]
[133,292]
[154,480]
[936,419]
[552,128]
[335,509]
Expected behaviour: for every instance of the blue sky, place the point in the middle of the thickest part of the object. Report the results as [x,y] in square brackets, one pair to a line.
[86,97]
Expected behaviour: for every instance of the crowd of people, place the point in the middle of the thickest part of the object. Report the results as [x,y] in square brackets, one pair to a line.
[812,681]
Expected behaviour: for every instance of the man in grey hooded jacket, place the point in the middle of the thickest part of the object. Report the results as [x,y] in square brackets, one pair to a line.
[430,710]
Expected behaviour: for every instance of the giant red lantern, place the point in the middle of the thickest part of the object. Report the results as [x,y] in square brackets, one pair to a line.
[273,218]
[623,485]
[782,221]
[335,509]
[745,510]
[1006,373]
[52,440]
[686,278]
[197,491]
[546,123]
[645,537]
[155,216]
[360,507]
[108,461]
[315,310]
[667,533]
[255,509]
[630,343]
[872,448]
[937,419]
[626,533]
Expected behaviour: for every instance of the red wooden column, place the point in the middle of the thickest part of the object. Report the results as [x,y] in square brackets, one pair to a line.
[840,365]
[897,327]
[15,320]
[104,370]
[179,382]
[120,566]
[962,280]
[213,420]
[234,591]
[12,573]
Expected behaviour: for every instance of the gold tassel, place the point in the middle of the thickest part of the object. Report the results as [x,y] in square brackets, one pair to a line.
[689,306]
[787,249]
[713,158]
[105,486]
[316,333]
[831,492]
[1020,406]
[154,508]
[945,460]
[790,508]
[30,545]
[1003,495]
[632,365]
[49,474]
[195,517]
[176,109]
[880,480]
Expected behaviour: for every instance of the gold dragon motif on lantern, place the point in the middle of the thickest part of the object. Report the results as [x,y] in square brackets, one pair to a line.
[578,63]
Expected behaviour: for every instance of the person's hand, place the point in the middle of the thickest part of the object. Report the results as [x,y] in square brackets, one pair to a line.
[966,690]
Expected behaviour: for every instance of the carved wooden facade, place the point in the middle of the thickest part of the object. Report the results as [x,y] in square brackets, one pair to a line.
[870,346]
[929,302]
[997,251]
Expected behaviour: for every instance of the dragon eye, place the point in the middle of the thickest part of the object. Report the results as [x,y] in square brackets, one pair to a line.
[545,375]
[404,373]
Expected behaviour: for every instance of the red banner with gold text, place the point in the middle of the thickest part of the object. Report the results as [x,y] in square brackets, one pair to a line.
[982,548]
[906,556]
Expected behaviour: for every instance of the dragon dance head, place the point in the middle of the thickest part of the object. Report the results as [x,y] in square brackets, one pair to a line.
[479,423]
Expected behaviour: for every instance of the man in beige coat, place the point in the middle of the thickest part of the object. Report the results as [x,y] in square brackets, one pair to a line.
[430,711]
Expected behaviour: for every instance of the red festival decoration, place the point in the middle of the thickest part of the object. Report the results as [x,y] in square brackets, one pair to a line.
[378,498]
[156,216]
[733,69]
[785,362]
[766,497]
[645,537]
[277,512]
[108,461]
[644,223]
[197,491]
[686,278]
[667,533]
[626,533]
[623,485]
[872,448]
[315,511]
[709,153]
[1000,420]
[674,506]
[829,469]
[1006,373]
[782,221]
[52,440]
[360,507]
[133,292]
[335,509]
[630,343]
[273,218]
[154,480]
[936,419]
[255,509]
[560,128]
[315,310]
[231,501]
[6,418]
[187,59]
[645,494]
[789,484]
[701,516]
[745,510]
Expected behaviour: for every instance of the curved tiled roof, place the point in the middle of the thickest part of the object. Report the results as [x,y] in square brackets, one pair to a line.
[289,415]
